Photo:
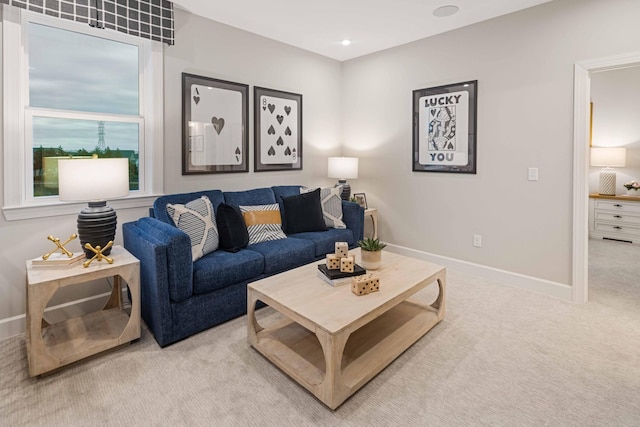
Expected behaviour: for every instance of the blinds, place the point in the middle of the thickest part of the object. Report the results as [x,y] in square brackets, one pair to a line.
[149,19]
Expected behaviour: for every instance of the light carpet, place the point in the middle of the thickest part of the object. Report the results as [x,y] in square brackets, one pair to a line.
[501,356]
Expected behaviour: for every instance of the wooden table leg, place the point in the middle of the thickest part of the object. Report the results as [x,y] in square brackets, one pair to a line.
[332,390]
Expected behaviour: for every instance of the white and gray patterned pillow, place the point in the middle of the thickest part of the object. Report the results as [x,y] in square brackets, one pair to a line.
[198,220]
[263,222]
[331,205]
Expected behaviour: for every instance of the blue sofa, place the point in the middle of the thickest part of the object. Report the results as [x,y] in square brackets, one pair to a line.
[180,297]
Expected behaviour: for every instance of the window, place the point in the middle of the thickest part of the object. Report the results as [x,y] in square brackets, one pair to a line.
[75,91]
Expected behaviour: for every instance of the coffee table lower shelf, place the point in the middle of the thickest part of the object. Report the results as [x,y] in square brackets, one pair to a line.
[367,351]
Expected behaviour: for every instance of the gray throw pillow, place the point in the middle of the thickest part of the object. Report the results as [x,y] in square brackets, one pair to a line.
[198,221]
[331,205]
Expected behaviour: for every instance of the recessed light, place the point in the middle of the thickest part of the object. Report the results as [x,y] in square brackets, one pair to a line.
[444,11]
[346,42]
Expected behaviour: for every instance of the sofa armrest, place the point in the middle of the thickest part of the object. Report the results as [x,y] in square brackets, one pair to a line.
[353,217]
[166,274]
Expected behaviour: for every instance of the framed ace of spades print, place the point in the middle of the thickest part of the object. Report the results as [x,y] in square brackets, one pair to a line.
[215,113]
[444,128]
[278,130]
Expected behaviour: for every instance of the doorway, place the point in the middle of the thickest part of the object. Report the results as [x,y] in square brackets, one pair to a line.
[581,121]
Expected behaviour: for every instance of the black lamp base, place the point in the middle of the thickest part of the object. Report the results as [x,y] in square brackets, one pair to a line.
[97,226]
[346,189]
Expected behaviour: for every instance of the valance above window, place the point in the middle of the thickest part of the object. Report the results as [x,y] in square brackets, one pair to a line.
[149,19]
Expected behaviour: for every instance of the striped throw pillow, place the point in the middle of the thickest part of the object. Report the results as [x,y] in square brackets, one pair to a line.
[198,221]
[263,222]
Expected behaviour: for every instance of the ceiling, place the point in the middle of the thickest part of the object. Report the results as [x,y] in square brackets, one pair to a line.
[371,25]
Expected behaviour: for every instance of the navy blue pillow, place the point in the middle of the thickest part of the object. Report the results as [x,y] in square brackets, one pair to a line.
[232,230]
[303,212]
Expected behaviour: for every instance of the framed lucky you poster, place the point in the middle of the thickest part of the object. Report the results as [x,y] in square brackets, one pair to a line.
[444,128]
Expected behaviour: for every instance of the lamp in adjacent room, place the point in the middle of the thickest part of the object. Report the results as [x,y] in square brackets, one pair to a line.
[94,181]
[608,157]
[343,168]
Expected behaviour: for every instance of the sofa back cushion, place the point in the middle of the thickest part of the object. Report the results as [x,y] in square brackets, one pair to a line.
[160,205]
[257,196]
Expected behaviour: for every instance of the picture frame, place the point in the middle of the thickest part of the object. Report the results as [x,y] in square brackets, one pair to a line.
[361,199]
[277,130]
[444,128]
[215,115]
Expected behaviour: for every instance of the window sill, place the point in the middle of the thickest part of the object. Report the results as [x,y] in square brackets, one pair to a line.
[42,210]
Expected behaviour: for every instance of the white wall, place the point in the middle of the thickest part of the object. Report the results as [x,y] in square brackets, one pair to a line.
[524,66]
[206,48]
[616,121]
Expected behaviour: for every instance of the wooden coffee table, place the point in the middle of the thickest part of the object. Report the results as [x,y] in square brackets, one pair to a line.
[331,341]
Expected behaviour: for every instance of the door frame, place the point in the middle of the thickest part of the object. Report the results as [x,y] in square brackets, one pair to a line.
[581,124]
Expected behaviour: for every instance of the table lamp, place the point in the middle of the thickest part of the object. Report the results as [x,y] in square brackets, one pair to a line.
[608,157]
[343,168]
[94,181]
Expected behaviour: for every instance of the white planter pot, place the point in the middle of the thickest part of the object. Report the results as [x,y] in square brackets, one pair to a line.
[371,260]
[633,192]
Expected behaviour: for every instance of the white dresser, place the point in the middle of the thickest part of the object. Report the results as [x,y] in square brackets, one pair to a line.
[614,217]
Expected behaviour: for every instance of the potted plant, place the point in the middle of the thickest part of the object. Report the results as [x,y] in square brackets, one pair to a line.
[371,251]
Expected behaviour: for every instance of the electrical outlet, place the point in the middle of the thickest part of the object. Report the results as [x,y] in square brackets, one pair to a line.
[533,174]
[477,240]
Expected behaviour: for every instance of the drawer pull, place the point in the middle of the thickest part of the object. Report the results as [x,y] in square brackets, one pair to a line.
[617,216]
[617,227]
[617,205]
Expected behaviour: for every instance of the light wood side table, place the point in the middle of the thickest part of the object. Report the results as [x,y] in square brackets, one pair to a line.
[373,214]
[50,346]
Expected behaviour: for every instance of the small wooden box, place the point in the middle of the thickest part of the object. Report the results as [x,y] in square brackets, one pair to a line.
[342,249]
[347,264]
[365,284]
[333,262]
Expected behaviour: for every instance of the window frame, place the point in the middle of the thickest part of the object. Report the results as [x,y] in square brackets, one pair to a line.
[19,202]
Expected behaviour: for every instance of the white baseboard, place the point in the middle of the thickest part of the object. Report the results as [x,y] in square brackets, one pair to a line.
[516,280]
[15,325]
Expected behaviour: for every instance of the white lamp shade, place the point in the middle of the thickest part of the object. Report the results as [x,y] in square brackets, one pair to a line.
[83,180]
[343,167]
[608,156]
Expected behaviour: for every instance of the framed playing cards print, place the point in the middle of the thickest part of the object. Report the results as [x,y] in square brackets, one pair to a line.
[278,130]
[215,113]
[444,128]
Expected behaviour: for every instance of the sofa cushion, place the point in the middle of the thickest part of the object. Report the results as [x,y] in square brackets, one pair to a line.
[231,228]
[331,205]
[324,242]
[284,254]
[263,223]
[198,221]
[303,212]
[220,269]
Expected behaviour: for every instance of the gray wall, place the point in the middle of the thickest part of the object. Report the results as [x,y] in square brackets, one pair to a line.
[524,66]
